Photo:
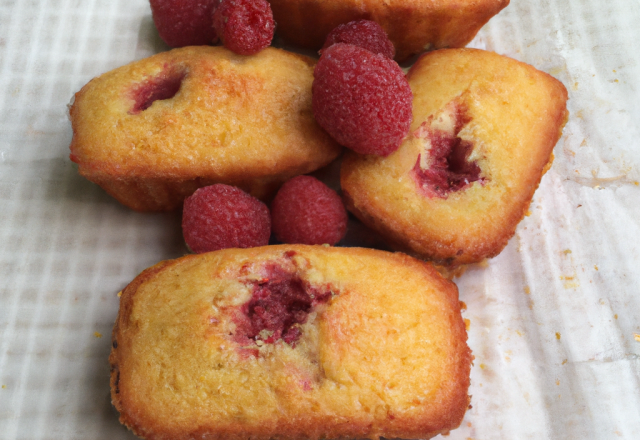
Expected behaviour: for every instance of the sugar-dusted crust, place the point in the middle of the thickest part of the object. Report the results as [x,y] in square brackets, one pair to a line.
[412,25]
[513,117]
[243,121]
[385,356]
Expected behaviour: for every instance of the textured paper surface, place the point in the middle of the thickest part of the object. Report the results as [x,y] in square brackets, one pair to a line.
[553,319]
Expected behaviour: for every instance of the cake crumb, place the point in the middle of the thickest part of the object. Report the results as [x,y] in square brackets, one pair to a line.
[636,337]
[97,334]
[558,335]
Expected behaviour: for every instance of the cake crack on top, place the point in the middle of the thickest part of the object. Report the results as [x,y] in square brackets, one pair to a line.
[444,165]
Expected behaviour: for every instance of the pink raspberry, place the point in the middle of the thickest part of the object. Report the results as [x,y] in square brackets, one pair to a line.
[244,26]
[366,34]
[362,99]
[222,216]
[184,22]
[307,211]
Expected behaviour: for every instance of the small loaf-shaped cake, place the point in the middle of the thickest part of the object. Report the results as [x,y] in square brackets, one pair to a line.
[412,25]
[483,131]
[290,342]
[152,132]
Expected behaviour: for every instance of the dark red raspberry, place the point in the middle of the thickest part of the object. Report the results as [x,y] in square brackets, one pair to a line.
[244,26]
[366,34]
[362,99]
[222,216]
[184,22]
[307,211]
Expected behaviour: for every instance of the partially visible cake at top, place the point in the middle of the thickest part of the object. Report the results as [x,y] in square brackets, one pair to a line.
[412,25]
[152,132]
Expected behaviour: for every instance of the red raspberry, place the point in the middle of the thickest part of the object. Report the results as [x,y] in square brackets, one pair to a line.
[222,216]
[244,26]
[307,211]
[362,99]
[366,34]
[184,22]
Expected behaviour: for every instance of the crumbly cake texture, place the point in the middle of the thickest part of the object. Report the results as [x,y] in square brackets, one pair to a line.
[412,25]
[483,131]
[377,348]
[152,132]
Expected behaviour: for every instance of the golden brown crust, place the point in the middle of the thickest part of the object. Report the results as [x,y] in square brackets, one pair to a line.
[412,25]
[516,117]
[243,121]
[386,356]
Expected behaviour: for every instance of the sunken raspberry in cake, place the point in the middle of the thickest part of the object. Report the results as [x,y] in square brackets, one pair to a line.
[484,127]
[152,132]
[290,342]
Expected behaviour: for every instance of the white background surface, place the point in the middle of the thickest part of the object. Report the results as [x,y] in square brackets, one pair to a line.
[553,317]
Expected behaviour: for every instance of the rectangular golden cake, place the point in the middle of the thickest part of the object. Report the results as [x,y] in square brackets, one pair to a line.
[290,342]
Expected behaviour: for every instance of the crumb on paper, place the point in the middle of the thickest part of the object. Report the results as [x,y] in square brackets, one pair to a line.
[467,324]
[97,334]
[595,266]
[463,305]
[4,386]
[583,144]
[558,382]
[564,361]
[636,337]
[558,336]
[527,213]
[566,251]
[119,294]
[615,316]
[527,290]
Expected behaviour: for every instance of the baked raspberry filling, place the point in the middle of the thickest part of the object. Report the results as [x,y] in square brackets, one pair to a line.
[280,303]
[161,87]
[446,167]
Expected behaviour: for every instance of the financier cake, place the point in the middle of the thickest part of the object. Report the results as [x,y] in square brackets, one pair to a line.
[412,25]
[290,342]
[483,131]
[152,132]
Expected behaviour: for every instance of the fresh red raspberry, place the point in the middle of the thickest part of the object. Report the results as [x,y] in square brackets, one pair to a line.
[362,99]
[366,34]
[307,211]
[184,22]
[244,26]
[222,216]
